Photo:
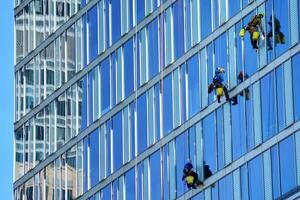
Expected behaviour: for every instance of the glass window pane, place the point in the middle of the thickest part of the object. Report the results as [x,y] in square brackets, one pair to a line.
[130,184]
[287,164]
[205,15]
[155,176]
[209,142]
[167,104]
[117,141]
[193,85]
[296,84]
[225,186]
[178,15]
[168,37]
[142,123]
[105,85]
[128,57]
[94,157]
[255,168]
[93,33]
[71,173]
[116,20]
[153,48]
[268,106]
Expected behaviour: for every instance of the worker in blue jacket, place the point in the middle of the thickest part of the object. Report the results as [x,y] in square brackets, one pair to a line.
[218,83]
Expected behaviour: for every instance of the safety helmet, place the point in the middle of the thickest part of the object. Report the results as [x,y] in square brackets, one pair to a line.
[261,15]
[220,70]
[188,166]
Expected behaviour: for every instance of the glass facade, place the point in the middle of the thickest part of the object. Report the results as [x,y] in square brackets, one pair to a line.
[111,99]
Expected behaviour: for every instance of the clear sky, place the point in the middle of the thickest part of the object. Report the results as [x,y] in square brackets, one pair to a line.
[6,98]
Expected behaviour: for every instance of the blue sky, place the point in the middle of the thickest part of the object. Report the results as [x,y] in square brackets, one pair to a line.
[6,97]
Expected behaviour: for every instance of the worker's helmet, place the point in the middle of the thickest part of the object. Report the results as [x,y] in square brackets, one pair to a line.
[188,166]
[220,70]
[261,15]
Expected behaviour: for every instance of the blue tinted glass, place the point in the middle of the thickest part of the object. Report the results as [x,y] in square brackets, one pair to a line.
[287,164]
[178,21]
[188,25]
[90,97]
[128,68]
[138,74]
[210,69]
[85,164]
[93,33]
[129,184]
[84,40]
[113,78]
[220,54]
[165,173]
[270,53]
[238,128]
[282,29]
[193,83]
[239,59]
[155,177]
[296,85]
[153,48]
[220,138]
[115,190]
[192,144]
[280,96]
[251,63]
[244,182]
[94,155]
[216,13]
[275,172]
[205,18]
[83,3]
[209,142]
[268,106]
[83,85]
[105,85]
[256,185]
[234,7]
[140,10]
[161,38]
[182,156]
[214,192]
[249,118]
[157,111]
[107,17]
[132,128]
[142,123]
[106,192]
[183,92]
[116,20]
[117,140]
[226,188]
[108,147]
[140,181]
[199,196]
[167,104]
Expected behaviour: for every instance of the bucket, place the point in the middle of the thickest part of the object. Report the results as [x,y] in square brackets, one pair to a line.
[190,180]
[219,91]
[242,32]
[255,35]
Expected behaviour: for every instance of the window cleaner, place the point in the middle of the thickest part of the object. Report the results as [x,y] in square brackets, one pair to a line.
[190,176]
[241,77]
[218,85]
[279,36]
[254,25]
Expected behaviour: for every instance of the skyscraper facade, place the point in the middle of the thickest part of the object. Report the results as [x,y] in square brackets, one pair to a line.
[111,99]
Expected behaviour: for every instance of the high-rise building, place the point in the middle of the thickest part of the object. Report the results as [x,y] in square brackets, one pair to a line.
[111,99]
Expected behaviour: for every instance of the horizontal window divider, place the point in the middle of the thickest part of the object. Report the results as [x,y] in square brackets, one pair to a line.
[189,123]
[153,81]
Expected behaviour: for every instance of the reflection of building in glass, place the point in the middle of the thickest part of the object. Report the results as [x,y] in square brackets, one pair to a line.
[112,101]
